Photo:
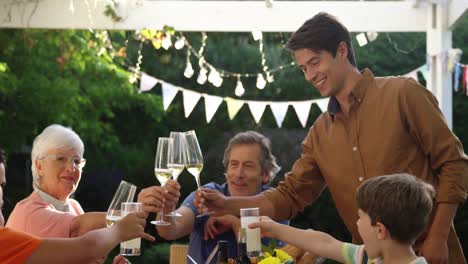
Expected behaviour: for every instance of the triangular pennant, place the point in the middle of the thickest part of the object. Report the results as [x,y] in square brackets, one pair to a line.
[233,106]
[279,111]
[190,100]
[211,106]
[169,91]
[412,74]
[424,71]
[302,111]
[147,82]
[257,109]
[322,104]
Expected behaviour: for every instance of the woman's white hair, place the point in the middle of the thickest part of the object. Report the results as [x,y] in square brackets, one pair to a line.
[53,137]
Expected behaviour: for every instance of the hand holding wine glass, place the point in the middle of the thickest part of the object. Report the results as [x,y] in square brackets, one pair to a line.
[161,170]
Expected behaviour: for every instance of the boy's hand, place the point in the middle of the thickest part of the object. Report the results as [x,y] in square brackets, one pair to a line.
[268,227]
[133,226]
[207,200]
[219,224]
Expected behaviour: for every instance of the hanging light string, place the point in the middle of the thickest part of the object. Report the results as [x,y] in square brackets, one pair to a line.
[225,73]
[136,71]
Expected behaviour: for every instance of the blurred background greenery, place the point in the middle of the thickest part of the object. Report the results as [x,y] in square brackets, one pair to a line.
[57,76]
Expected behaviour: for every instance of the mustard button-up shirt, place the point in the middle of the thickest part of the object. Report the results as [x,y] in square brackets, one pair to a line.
[394,125]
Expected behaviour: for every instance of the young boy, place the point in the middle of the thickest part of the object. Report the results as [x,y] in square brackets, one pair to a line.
[393,211]
[18,247]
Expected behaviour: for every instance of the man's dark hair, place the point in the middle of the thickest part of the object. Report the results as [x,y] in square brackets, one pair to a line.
[402,203]
[322,32]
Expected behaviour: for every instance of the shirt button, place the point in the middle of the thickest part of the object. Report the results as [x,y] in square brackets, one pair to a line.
[354,148]
[361,179]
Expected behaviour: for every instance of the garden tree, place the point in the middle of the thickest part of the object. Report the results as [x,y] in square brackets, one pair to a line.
[75,78]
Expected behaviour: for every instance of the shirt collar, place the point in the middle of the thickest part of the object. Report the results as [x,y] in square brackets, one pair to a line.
[358,92]
[61,206]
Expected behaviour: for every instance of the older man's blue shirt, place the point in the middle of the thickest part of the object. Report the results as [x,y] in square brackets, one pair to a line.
[199,248]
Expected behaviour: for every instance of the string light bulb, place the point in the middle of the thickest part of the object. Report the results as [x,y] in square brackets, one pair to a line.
[166,43]
[257,35]
[188,72]
[202,76]
[214,77]
[270,78]
[180,43]
[260,81]
[239,87]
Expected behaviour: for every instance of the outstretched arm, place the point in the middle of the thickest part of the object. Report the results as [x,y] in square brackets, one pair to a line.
[180,226]
[92,244]
[214,201]
[316,242]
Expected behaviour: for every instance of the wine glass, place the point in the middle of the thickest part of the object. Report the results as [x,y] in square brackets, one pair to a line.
[177,160]
[194,157]
[124,194]
[161,170]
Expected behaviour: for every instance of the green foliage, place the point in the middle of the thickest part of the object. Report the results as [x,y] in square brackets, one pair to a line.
[75,78]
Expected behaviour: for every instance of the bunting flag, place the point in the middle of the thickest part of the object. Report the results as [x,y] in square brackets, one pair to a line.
[212,104]
[190,100]
[147,82]
[169,92]
[322,104]
[233,106]
[412,74]
[279,110]
[302,111]
[257,108]
[424,69]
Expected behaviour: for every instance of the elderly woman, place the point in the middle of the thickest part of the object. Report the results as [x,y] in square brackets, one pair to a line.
[57,163]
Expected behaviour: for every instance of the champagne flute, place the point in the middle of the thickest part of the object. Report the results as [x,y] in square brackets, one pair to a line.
[162,171]
[124,194]
[177,160]
[194,159]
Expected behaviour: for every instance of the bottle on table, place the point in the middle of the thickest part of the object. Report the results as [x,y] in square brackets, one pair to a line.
[222,252]
[242,257]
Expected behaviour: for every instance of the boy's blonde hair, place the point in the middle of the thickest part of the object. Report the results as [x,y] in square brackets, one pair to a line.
[400,202]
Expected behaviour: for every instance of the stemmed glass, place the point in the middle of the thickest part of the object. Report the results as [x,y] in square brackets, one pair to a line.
[177,160]
[194,161]
[161,170]
[124,194]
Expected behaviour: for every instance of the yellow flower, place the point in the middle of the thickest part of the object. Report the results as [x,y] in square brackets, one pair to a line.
[270,260]
[283,256]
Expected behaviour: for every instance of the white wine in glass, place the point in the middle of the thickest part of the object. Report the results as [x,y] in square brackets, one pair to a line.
[161,170]
[177,154]
[177,161]
[163,175]
[194,162]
